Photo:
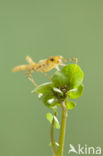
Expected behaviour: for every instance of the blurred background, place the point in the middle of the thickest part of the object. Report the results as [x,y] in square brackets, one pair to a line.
[41,29]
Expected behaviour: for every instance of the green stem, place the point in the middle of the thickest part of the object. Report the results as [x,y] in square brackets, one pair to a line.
[52,139]
[63,128]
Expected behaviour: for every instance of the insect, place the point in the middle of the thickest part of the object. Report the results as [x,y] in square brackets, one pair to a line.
[42,66]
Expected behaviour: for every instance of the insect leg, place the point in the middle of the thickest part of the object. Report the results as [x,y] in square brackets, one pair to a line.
[27,74]
[29,60]
[30,78]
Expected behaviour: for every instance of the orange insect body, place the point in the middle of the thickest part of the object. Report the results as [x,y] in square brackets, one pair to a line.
[42,66]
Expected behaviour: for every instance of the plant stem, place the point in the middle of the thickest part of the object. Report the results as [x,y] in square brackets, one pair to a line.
[52,139]
[63,127]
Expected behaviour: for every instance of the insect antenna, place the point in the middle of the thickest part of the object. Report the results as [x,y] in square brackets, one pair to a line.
[72,59]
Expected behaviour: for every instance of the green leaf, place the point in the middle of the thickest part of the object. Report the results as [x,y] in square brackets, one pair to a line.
[76,92]
[54,108]
[45,93]
[58,91]
[74,74]
[59,79]
[56,123]
[71,105]
[42,88]
[49,116]
[71,76]
[49,100]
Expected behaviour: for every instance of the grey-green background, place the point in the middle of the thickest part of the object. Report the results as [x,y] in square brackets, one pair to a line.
[42,28]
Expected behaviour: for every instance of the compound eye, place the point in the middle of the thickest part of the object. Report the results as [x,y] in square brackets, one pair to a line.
[52,59]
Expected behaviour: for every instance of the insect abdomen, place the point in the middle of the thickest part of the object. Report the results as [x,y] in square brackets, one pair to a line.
[21,68]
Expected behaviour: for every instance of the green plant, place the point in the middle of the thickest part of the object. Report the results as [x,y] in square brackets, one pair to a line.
[66,85]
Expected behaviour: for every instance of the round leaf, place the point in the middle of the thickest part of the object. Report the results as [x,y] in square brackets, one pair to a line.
[49,116]
[71,105]
[43,88]
[45,93]
[75,93]
[59,79]
[74,74]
